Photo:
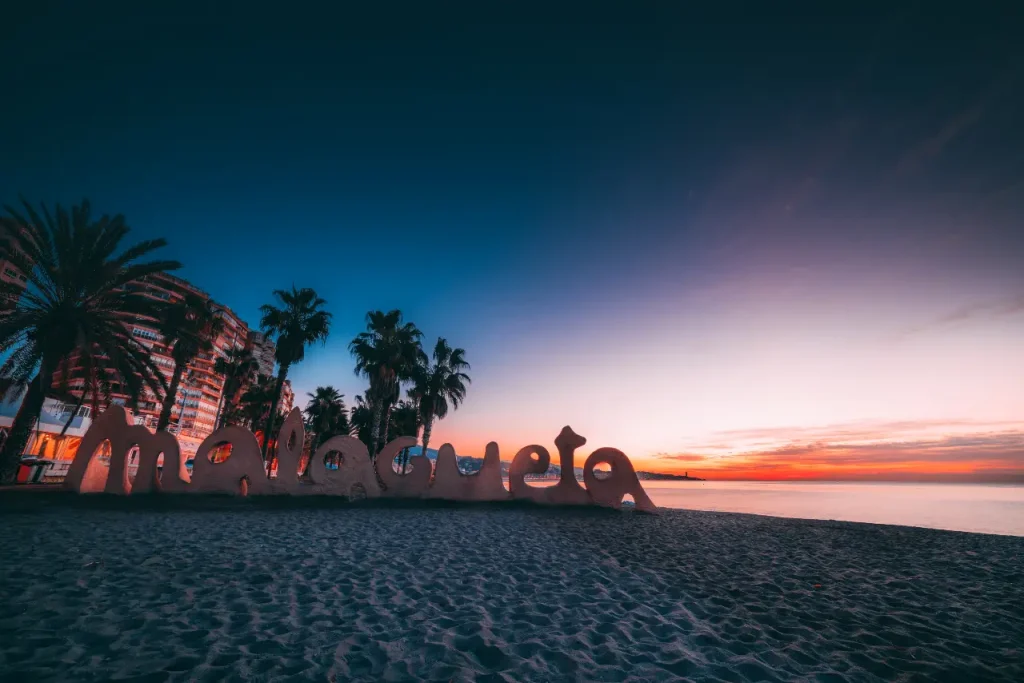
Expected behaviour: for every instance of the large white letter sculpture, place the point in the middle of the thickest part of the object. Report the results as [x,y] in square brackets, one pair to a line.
[357,476]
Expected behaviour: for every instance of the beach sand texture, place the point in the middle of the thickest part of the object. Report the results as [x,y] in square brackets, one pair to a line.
[243,591]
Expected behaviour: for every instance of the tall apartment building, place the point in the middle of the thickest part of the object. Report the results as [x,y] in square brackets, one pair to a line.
[263,351]
[200,393]
[287,397]
[8,271]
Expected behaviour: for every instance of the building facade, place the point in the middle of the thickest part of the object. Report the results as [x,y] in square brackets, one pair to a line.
[200,394]
[9,272]
[263,350]
[287,398]
[56,436]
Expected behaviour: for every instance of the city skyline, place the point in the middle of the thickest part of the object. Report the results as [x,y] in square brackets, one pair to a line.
[678,237]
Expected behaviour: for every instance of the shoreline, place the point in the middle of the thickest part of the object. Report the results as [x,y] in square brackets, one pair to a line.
[32,498]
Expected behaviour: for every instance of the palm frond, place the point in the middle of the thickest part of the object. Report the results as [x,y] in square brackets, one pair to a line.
[72,322]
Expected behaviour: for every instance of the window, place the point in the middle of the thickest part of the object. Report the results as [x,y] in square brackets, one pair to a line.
[10,273]
[145,334]
[23,278]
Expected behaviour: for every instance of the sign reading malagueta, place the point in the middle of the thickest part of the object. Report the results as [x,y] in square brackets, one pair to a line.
[357,475]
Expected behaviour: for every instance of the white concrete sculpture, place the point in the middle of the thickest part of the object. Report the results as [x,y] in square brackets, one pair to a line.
[622,480]
[532,459]
[147,477]
[244,462]
[567,491]
[414,483]
[242,471]
[535,460]
[450,483]
[88,475]
[289,452]
[355,476]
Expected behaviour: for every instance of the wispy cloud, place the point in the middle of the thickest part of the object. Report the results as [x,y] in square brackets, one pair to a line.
[932,147]
[957,125]
[857,452]
[864,430]
[974,312]
[685,457]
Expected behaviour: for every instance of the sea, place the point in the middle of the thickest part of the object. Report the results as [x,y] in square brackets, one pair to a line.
[980,508]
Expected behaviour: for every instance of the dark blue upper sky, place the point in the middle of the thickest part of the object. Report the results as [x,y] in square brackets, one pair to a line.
[493,172]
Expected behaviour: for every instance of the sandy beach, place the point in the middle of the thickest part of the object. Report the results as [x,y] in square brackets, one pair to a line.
[225,590]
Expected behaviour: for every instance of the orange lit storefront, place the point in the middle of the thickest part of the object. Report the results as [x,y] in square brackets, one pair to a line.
[50,440]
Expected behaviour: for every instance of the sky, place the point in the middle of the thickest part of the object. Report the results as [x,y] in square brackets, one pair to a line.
[748,242]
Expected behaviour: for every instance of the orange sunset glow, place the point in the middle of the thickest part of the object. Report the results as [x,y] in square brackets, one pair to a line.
[899,387]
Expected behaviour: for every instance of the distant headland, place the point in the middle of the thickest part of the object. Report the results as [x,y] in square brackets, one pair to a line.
[659,476]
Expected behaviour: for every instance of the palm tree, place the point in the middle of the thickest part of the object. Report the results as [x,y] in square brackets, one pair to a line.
[326,415]
[387,354]
[361,423]
[256,401]
[71,415]
[80,300]
[405,421]
[90,378]
[95,387]
[239,368]
[189,328]
[299,321]
[439,384]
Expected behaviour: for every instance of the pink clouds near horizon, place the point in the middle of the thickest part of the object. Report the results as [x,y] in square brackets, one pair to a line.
[895,451]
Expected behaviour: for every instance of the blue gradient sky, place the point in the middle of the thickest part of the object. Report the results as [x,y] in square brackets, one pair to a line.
[671,229]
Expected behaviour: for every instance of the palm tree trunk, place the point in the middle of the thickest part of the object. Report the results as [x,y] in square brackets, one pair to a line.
[315,444]
[282,373]
[387,427]
[378,409]
[71,417]
[427,424]
[232,387]
[220,404]
[24,423]
[172,395]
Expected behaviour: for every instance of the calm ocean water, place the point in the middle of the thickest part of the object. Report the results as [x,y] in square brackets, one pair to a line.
[993,509]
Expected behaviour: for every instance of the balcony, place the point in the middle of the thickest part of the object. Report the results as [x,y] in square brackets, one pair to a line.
[52,418]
